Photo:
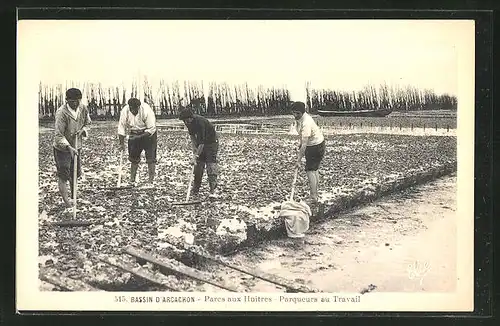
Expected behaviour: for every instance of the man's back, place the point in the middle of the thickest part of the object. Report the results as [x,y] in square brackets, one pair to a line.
[308,128]
[203,130]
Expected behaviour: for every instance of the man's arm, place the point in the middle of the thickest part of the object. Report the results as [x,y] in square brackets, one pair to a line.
[193,144]
[201,138]
[88,121]
[150,120]
[304,138]
[60,127]
[199,150]
[302,149]
[122,126]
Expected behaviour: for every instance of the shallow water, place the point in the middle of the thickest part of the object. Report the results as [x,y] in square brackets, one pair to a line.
[390,244]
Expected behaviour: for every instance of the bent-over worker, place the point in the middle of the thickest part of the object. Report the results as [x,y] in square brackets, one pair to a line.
[312,147]
[205,144]
[138,121]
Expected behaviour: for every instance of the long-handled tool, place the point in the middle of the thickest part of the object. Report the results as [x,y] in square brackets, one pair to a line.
[120,172]
[119,182]
[74,222]
[294,183]
[295,214]
[190,184]
[75,176]
[187,202]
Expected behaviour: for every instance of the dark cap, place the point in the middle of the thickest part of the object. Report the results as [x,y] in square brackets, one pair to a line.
[134,102]
[298,106]
[73,94]
[185,114]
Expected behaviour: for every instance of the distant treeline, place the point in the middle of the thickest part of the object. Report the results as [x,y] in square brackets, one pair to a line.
[383,97]
[223,99]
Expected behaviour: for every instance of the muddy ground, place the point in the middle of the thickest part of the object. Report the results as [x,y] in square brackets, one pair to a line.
[403,243]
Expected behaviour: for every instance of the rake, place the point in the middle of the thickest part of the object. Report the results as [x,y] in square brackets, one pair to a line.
[74,222]
[119,181]
[187,202]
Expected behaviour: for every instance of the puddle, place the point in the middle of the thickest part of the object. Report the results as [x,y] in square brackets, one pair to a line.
[243,128]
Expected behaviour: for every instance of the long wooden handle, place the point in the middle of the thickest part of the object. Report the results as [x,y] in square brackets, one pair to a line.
[119,183]
[293,183]
[190,183]
[75,176]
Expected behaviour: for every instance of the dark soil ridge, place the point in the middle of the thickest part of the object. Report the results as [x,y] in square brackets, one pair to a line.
[262,231]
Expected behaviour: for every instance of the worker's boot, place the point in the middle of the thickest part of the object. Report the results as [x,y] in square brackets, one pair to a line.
[63,190]
[133,173]
[151,176]
[151,172]
[198,176]
[212,179]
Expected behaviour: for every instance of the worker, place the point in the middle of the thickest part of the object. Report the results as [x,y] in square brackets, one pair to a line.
[311,146]
[138,121]
[71,124]
[205,145]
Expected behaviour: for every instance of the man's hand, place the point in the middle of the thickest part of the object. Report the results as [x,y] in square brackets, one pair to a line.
[298,162]
[81,132]
[72,151]
[139,136]
[120,147]
[194,159]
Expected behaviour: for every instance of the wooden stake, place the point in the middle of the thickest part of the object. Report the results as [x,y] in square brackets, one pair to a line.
[64,282]
[140,272]
[72,223]
[249,270]
[178,268]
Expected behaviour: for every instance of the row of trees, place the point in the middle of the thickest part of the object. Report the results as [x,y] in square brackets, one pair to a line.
[383,97]
[222,99]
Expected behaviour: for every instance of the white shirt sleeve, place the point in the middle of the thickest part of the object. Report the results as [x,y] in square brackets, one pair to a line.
[149,119]
[306,129]
[123,121]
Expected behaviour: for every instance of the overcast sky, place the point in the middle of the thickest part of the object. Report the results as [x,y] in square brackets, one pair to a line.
[337,54]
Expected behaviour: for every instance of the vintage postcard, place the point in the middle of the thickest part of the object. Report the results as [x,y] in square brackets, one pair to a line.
[247,165]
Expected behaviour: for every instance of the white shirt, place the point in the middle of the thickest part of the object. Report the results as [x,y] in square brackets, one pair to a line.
[144,120]
[307,128]
[74,113]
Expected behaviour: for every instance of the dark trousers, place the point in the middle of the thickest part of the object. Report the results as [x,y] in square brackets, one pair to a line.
[208,158]
[314,156]
[146,144]
[65,165]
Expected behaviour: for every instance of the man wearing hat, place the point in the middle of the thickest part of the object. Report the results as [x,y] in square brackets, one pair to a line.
[138,121]
[72,119]
[205,144]
[312,147]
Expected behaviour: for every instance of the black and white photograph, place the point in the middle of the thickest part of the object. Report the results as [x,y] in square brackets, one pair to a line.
[245,165]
